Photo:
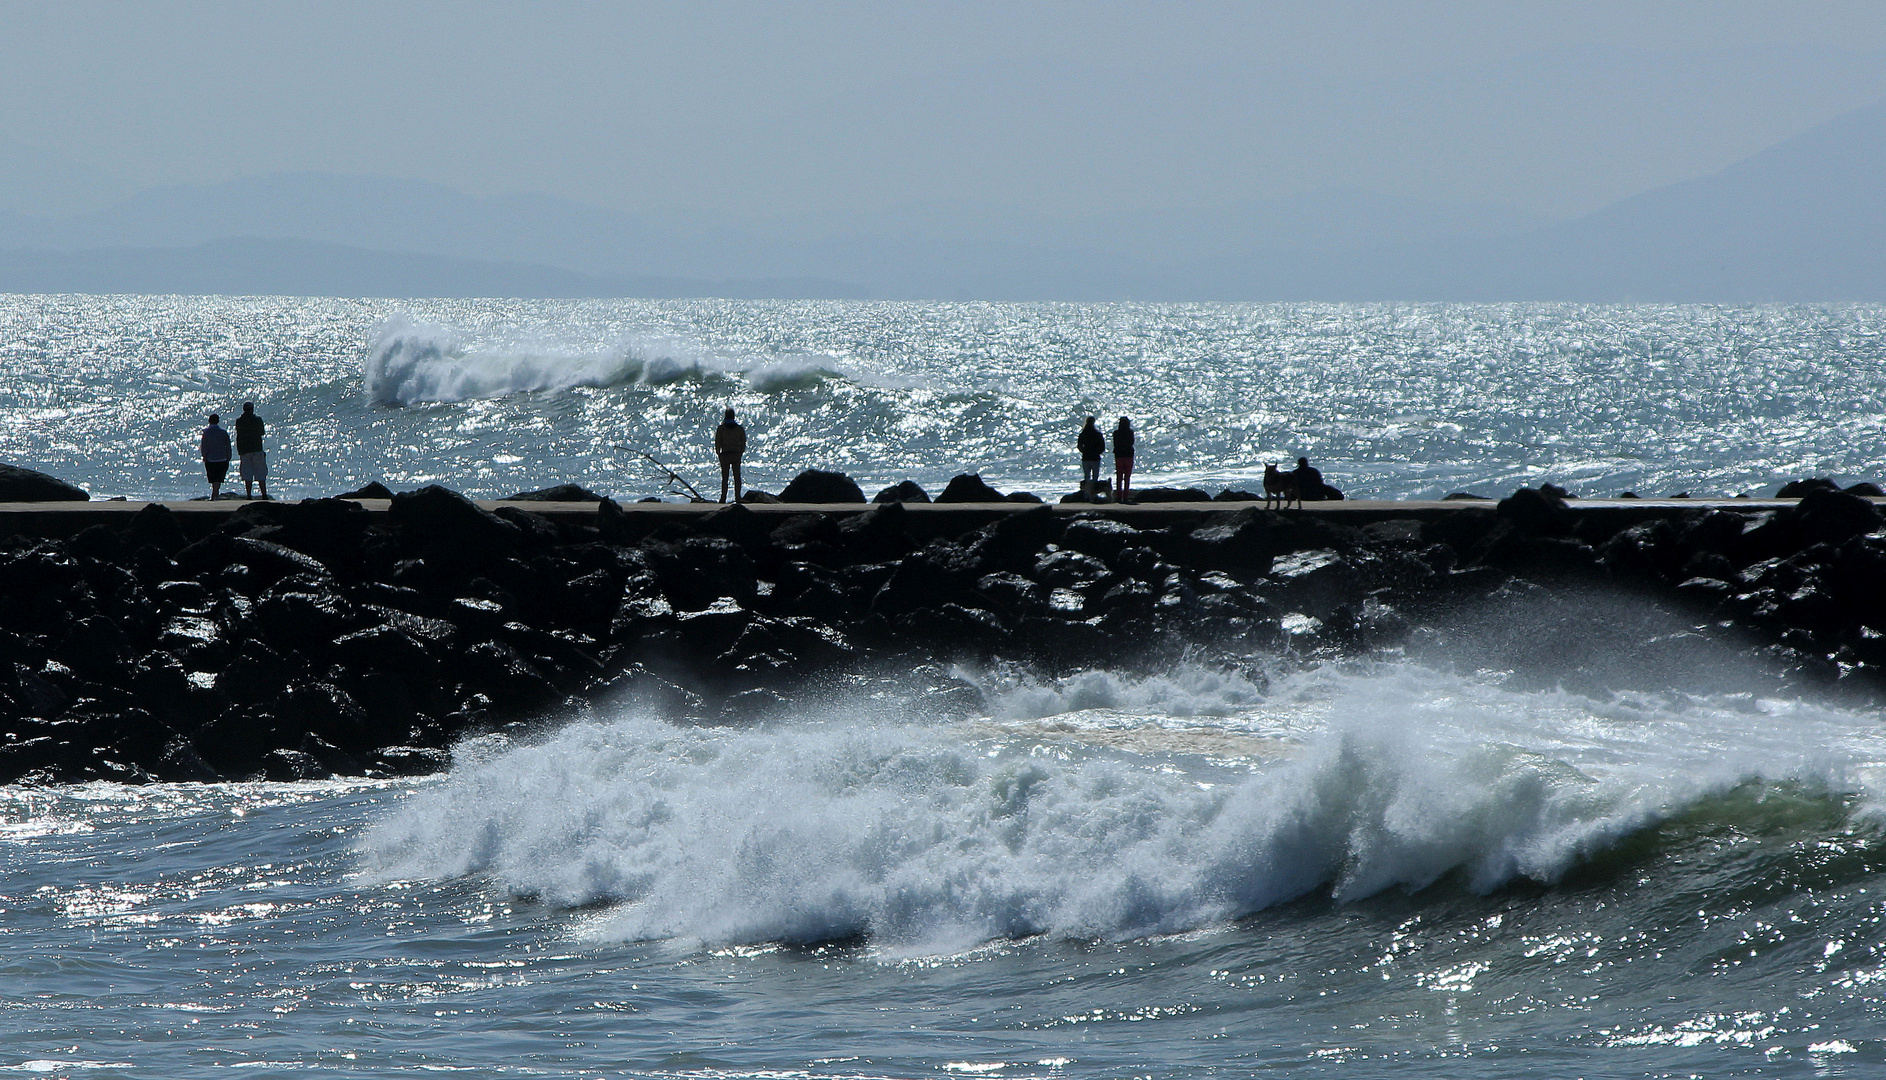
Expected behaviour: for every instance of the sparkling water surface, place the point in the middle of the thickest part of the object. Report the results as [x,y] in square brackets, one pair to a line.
[1424,865]
[1392,401]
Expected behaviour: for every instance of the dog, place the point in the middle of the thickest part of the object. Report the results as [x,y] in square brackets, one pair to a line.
[1281,487]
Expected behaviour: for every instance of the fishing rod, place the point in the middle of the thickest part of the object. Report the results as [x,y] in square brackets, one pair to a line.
[673,476]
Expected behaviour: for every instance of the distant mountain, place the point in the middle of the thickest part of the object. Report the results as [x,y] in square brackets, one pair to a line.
[1801,221]
[1804,220]
[246,266]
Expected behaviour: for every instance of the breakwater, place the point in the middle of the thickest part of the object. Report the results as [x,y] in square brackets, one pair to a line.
[296,640]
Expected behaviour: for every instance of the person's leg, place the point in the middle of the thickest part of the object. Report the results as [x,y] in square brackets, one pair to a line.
[726,469]
[736,480]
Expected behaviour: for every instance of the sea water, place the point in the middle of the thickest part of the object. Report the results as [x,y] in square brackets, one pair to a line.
[1600,848]
[1390,401]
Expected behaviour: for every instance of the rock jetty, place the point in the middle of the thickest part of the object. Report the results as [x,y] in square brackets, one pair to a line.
[301,640]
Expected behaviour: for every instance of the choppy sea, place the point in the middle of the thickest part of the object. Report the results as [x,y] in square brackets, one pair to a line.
[1411,864]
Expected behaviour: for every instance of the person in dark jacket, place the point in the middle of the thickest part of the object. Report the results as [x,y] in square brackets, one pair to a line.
[730,443]
[1091,444]
[252,461]
[1123,460]
[214,446]
[1310,483]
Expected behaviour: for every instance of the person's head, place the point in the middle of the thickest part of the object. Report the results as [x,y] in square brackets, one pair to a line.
[1303,463]
[248,406]
[215,419]
[1125,423]
[727,419]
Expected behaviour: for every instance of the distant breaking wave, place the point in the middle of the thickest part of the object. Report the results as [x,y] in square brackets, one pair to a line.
[410,362]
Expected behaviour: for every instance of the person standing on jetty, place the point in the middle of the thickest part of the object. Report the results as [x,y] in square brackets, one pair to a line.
[252,461]
[1123,460]
[214,446]
[730,442]
[1091,444]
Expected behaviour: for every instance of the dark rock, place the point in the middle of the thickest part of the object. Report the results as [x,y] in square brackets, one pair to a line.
[1466,495]
[534,529]
[373,490]
[559,493]
[1097,536]
[742,526]
[1023,497]
[1867,490]
[968,488]
[878,534]
[1537,512]
[902,492]
[1832,517]
[819,486]
[695,572]
[445,517]
[26,485]
[1798,488]
[760,498]
[98,542]
[156,526]
[286,766]
[181,763]
[412,760]
[1229,495]
[1012,542]
[1170,495]
[272,562]
[383,648]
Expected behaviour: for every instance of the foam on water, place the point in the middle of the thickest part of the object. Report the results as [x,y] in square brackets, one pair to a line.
[928,838]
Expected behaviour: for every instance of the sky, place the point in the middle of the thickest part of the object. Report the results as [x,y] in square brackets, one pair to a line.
[810,115]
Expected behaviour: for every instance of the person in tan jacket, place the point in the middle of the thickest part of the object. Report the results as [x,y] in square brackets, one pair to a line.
[730,442]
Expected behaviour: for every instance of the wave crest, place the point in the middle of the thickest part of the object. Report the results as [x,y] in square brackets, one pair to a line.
[933,840]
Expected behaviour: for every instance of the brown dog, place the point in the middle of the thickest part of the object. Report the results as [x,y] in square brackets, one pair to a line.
[1282,487]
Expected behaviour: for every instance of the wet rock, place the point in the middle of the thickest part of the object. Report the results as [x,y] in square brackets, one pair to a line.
[28,485]
[373,490]
[412,760]
[695,572]
[1797,488]
[1099,537]
[759,498]
[902,492]
[819,486]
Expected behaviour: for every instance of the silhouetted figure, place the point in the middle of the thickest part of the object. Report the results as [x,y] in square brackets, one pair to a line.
[730,442]
[1091,444]
[1123,460]
[1310,484]
[214,446]
[251,460]
[1280,486]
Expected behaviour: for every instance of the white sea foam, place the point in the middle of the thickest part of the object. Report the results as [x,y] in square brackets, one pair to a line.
[934,839]
[410,362]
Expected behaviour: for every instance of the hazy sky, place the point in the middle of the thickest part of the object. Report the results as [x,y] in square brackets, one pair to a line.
[819,111]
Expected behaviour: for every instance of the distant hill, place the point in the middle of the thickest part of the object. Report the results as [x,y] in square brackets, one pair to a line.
[1804,220]
[1801,221]
[247,266]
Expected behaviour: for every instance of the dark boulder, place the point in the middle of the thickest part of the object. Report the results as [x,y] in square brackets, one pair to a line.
[1098,536]
[902,492]
[559,493]
[1170,495]
[1014,541]
[156,526]
[695,572]
[445,517]
[373,490]
[741,525]
[1832,517]
[819,486]
[968,488]
[1537,512]
[878,534]
[1795,489]
[26,485]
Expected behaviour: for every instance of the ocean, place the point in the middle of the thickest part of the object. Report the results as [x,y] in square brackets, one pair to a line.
[1532,844]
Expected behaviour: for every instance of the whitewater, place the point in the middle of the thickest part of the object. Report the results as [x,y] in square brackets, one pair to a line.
[1578,842]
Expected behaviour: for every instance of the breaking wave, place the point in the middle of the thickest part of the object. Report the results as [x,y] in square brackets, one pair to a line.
[927,838]
[410,362]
